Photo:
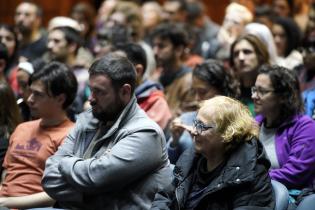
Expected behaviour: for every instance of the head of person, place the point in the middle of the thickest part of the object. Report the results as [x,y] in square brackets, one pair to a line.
[169,42]
[9,112]
[276,94]
[151,14]
[9,38]
[175,10]
[212,78]
[63,42]
[195,13]
[136,54]
[112,83]
[128,13]
[263,33]
[287,35]
[28,17]
[85,14]
[4,58]
[283,8]
[264,15]
[53,89]
[221,124]
[25,70]
[247,54]
[107,38]
[309,36]
[235,19]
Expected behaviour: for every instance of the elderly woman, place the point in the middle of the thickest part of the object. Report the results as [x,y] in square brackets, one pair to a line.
[227,167]
[287,134]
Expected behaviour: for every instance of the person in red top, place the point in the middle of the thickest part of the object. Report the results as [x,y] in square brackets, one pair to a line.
[53,89]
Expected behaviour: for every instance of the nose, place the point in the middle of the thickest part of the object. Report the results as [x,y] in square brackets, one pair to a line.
[30,99]
[254,95]
[92,99]
[241,55]
[155,50]
[50,45]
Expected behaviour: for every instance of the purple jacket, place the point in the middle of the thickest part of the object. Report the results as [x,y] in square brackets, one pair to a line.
[295,148]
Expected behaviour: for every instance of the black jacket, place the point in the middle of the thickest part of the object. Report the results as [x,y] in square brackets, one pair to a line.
[243,183]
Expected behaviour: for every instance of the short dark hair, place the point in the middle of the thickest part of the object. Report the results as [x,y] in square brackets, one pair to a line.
[135,53]
[116,67]
[287,87]
[173,32]
[58,79]
[218,76]
[72,36]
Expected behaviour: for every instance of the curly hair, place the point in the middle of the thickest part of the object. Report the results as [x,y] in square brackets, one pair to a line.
[218,76]
[233,121]
[287,87]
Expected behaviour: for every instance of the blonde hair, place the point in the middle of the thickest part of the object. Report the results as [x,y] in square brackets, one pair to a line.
[233,120]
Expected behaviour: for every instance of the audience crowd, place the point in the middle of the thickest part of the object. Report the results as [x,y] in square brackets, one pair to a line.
[152,105]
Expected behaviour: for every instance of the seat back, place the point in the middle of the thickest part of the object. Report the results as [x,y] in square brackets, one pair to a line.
[281,195]
[308,203]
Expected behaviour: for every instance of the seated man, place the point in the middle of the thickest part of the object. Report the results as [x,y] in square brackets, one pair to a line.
[53,89]
[115,158]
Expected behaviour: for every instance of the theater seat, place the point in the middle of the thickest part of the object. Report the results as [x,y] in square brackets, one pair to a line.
[308,203]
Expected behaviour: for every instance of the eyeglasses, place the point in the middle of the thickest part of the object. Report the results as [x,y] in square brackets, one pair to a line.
[260,91]
[200,126]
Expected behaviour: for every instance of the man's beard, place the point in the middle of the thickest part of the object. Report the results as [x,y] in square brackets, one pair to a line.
[25,31]
[110,114]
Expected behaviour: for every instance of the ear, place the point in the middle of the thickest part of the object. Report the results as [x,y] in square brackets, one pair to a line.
[60,99]
[179,51]
[139,70]
[125,93]
[72,47]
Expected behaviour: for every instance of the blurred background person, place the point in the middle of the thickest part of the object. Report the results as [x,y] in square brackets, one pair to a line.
[9,118]
[263,33]
[152,15]
[210,78]
[248,53]
[235,18]
[287,37]
[85,14]
[4,58]
[32,39]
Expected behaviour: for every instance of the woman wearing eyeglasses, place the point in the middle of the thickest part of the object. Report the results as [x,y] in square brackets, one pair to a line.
[286,133]
[227,167]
